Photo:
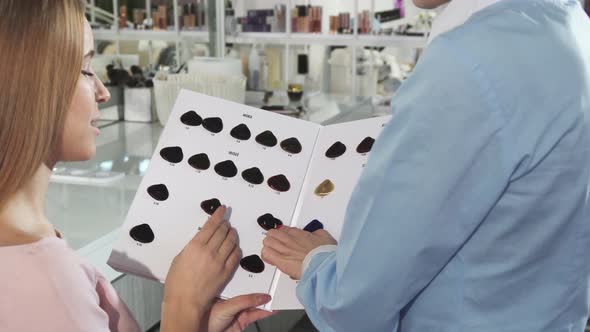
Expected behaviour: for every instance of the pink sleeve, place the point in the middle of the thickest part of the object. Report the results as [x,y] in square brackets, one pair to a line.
[47,287]
[120,316]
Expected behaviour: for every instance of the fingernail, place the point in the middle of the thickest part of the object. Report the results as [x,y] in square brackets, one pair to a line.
[279,226]
[264,298]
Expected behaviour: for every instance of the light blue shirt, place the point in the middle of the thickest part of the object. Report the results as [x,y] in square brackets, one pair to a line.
[473,213]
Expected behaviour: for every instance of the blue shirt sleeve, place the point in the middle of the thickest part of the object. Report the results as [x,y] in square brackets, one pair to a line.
[433,175]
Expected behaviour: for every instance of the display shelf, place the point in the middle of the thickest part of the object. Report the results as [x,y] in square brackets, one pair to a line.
[288,39]
[129,34]
[197,36]
[325,39]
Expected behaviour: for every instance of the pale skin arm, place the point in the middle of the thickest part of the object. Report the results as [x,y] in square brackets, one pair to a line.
[287,247]
[198,274]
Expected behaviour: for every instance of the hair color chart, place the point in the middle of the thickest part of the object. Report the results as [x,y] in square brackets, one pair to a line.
[341,154]
[215,152]
[268,169]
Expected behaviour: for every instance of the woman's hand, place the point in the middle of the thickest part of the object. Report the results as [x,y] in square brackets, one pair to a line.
[287,247]
[198,274]
[235,314]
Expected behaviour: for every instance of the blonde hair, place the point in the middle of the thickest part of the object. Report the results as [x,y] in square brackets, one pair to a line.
[41,46]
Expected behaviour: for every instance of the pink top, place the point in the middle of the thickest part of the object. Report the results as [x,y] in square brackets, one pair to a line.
[47,286]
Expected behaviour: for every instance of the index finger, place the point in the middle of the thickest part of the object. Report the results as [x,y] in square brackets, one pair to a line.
[210,226]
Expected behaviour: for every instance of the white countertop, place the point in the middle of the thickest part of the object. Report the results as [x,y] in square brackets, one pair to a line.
[89,215]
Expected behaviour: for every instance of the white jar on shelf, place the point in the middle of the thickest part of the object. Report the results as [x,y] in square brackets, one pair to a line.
[367,72]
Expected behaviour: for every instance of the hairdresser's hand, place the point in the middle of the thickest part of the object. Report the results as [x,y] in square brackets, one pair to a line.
[287,247]
[198,274]
[235,314]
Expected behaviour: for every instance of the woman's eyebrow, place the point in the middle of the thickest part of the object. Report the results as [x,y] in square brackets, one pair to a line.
[90,54]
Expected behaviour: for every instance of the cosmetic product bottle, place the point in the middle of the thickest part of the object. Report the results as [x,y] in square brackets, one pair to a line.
[192,17]
[333,24]
[275,57]
[294,20]
[202,13]
[184,17]
[263,84]
[399,4]
[319,20]
[196,11]
[254,69]
[279,13]
[123,17]
[230,20]
[302,16]
[155,18]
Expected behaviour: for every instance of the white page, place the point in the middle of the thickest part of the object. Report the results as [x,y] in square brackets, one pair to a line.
[344,172]
[176,220]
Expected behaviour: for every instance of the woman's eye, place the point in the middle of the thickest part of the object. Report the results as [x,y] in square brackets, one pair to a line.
[87,73]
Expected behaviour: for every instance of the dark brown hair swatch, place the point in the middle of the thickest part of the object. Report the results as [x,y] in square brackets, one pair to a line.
[159,192]
[200,161]
[366,145]
[252,264]
[214,125]
[226,169]
[191,118]
[241,132]
[253,175]
[210,205]
[268,221]
[279,183]
[142,233]
[336,150]
[172,154]
[291,145]
[267,138]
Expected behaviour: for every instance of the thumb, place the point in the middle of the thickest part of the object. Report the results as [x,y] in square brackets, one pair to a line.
[234,306]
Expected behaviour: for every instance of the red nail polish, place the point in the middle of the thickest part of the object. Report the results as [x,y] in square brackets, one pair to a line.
[279,226]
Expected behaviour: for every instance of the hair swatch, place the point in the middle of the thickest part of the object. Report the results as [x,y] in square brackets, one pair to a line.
[226,169]
[159,192]
[324,188]
[336,150]
[366,145]
[313,226]
[291,145]
[191,118]
[200,161]
[214,125]
[279,183]
[267,138]
[252,264]
[142,233]
[210,205]
[172,154]
[268,221]
[253,175]
[241,132]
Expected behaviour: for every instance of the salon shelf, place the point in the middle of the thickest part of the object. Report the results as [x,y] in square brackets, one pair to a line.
[197,36]
[326,39]
[105,34]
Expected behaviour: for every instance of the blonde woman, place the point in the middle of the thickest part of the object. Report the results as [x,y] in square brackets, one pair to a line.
[48,106]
